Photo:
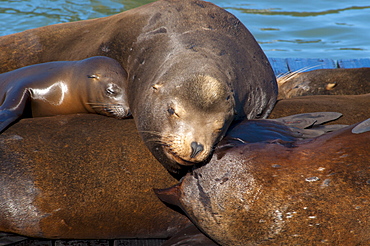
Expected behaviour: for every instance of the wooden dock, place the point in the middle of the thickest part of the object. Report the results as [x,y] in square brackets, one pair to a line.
[280,66]
[285,65]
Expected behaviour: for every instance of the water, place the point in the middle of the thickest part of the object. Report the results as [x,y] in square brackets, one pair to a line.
[286,28]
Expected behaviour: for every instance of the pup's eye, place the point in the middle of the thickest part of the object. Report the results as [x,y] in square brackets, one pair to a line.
[172,111]
[110,91]
[93,76]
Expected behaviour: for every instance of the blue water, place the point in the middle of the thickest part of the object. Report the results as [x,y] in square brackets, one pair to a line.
[306,29]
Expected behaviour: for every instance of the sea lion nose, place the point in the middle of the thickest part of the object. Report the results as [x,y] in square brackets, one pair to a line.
[196,149]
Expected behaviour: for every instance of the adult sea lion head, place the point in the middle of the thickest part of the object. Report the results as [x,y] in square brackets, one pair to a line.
[107,93]
[181,121]
[204,71]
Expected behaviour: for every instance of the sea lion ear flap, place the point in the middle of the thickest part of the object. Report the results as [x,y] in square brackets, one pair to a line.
[170,195]
[156,87]
[93,76]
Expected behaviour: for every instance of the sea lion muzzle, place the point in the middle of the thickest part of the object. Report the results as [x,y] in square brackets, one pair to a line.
[196,149]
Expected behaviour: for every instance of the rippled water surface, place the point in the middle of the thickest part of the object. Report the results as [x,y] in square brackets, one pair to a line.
[285,28]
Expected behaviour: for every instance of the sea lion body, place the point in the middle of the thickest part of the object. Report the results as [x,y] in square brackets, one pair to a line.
[189,64]
[339,81]
[97,185]
[306,192]
[94,85]
[82,177]
[94,186]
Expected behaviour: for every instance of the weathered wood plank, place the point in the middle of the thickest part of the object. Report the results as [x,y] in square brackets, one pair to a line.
[279,65]
[118,242]
[307,64]
[34,242]
[139,242]
[81,243]
[10,238]
[353,63]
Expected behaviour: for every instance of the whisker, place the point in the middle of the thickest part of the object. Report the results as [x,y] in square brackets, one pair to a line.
[282,78]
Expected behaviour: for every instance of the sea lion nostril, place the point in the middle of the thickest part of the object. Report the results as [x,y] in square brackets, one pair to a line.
[196,149]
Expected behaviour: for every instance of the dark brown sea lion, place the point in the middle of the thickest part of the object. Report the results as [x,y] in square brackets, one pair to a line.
[94,85]
[340,81]
[193,68]
[82,177]
[97,185]
[279,193]
[355,108]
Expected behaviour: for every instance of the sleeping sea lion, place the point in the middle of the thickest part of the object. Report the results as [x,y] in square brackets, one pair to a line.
[94,85]
[97,185]
[306,192]
[192,69]
[82,176]
[339,81]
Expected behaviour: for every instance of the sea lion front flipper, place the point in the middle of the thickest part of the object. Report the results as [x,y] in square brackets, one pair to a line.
[6,118]
[362,127]
[191,234]
[170,195]
[310,125]
[306,120]
[11,110]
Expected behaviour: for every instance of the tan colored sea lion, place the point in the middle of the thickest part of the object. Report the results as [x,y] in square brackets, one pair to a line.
[94,85]
[82,177]
[283,193]
[189,64]
[340,81]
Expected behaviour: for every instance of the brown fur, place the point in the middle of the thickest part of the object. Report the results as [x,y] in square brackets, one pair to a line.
[340,81]
[305,193]
[82,177]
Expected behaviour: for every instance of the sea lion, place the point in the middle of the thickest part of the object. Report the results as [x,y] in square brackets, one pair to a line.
[82,177]
[95,186]
[192,69]
[355,108]
[339,81]
[306,192]
[94,85]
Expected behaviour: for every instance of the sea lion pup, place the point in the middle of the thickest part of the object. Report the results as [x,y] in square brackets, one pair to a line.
[94,85]
[306,192]
[339,81]
[192,69]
